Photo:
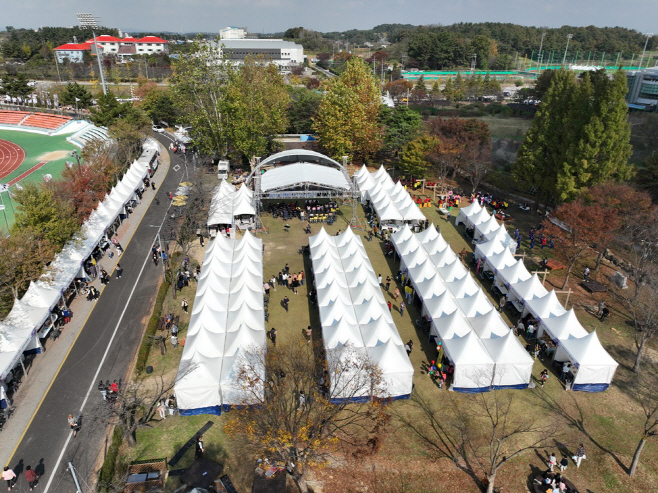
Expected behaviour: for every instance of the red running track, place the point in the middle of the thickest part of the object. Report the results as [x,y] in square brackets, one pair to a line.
[11,157]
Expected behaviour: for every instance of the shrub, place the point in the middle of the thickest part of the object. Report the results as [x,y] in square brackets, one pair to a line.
[151,329]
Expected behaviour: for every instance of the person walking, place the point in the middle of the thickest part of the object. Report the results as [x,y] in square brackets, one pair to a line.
[396,293]
[119,271]
[302,278]
[502,303]
[73,423]
[10,476]
[379,279]
[601,307]
[286,269]
[563,464]
[580,455]
[309,334]
[31,476]
[285,302]
[408,347]
[184,304]
[273,283]
[174,340]
[388,283]
[543,376]
[162,411]
[198,450]
[388,303]
[273,336]
[402,305]
[552,461]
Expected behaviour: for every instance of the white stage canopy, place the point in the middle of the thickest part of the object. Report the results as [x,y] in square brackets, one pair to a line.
[302,173]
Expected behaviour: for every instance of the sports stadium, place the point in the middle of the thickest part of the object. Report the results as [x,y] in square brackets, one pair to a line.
[35,147]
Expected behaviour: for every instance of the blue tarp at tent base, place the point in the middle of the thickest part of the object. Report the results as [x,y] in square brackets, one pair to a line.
[474,390]
[591,387]
[216,410]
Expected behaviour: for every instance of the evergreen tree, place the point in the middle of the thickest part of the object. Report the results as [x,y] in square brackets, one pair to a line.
[402,125]
[346,121]
[449,90]
[436,90]
[415,155]
[579,137]
[77,96]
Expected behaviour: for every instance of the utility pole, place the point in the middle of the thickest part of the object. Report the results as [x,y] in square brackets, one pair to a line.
[564,59]
[88,20]
[645,49]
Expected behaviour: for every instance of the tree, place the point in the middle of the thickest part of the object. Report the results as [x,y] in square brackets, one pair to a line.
[579,137]
[398,88]
[76,95]
[480,433]
[449,90]
[574,227]
[420,89]
[402,126]
[415,154]
[129,131]
[346,121]
[23,257]
[648,398]
[477,167]
[198,84]
[83,186]
[462,141]
[41,213]
[647,176]
[159,106]
[255,103]
[304,104]
[644,312]
[15,86]
[303,431]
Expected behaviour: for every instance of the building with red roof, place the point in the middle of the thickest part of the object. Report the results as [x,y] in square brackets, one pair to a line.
[73,52]
[110,45]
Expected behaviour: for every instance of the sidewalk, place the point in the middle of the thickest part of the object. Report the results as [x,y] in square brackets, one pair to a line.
[46,366]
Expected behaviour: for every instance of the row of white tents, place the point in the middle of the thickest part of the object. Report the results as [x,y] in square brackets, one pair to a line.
[483,349]
[30,316]
[593,366]
[229,205]
[485,226]
[226,332]
[391,201]
[354,314]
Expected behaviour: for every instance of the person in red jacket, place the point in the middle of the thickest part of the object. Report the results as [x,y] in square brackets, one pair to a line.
[31,477]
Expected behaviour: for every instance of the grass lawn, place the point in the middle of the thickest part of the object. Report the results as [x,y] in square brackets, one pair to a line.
[608,423]
[507,128]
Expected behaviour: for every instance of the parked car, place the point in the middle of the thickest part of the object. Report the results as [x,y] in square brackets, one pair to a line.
[158,128]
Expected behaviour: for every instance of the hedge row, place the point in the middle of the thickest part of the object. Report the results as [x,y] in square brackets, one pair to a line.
[151,329]
[106,476]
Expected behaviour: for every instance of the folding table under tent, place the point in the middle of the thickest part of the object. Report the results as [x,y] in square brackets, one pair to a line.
[474,367]
[513,365]
[595,368]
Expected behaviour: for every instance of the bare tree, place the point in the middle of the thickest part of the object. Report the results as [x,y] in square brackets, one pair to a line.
[480,433]
[644,310]
[476,169]
[307,407]
[648,397]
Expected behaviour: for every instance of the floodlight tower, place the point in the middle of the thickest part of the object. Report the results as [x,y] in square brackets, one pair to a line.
[564,59]
[88,20]
[540,58]
[645,49]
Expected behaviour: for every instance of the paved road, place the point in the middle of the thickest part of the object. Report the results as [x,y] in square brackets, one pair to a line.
[111,334]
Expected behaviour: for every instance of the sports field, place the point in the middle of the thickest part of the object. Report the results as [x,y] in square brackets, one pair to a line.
[43,155]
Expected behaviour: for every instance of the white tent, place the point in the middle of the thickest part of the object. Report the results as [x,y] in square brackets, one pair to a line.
[450,326]
[594,367]
[227,327]
[488,248]
[488,226]
[453,271]
[475,305]
[474,368]
[463,287]
[468,211]
[501,235]
[499,261]
[510,275]
[513,364]
[430,288]
[544,307]
[489,325]
[478,218]
[563,326]
[441,305]
[397,371]
[391,201]
[527,290]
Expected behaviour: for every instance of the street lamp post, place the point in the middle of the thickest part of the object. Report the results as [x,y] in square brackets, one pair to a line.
[645,48]
[564,59]
[540,57]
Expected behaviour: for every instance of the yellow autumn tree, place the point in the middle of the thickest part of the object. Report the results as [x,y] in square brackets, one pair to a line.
[346,122]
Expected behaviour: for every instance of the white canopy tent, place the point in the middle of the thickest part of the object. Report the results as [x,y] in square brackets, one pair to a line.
[468,211]
[527,290]
[594,367]
[513,365]
[293,174]
[354,316]
[226,331]
[511,275]
[474,367]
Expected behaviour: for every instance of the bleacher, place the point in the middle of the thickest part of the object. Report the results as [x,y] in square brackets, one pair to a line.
[88,134]
[45,120]
[12,117]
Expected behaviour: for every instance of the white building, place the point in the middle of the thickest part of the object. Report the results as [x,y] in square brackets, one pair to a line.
[284,54]
[233,33]
[128,46]
[643,89]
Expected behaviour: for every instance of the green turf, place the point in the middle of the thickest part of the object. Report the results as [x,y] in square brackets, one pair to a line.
[35,146]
